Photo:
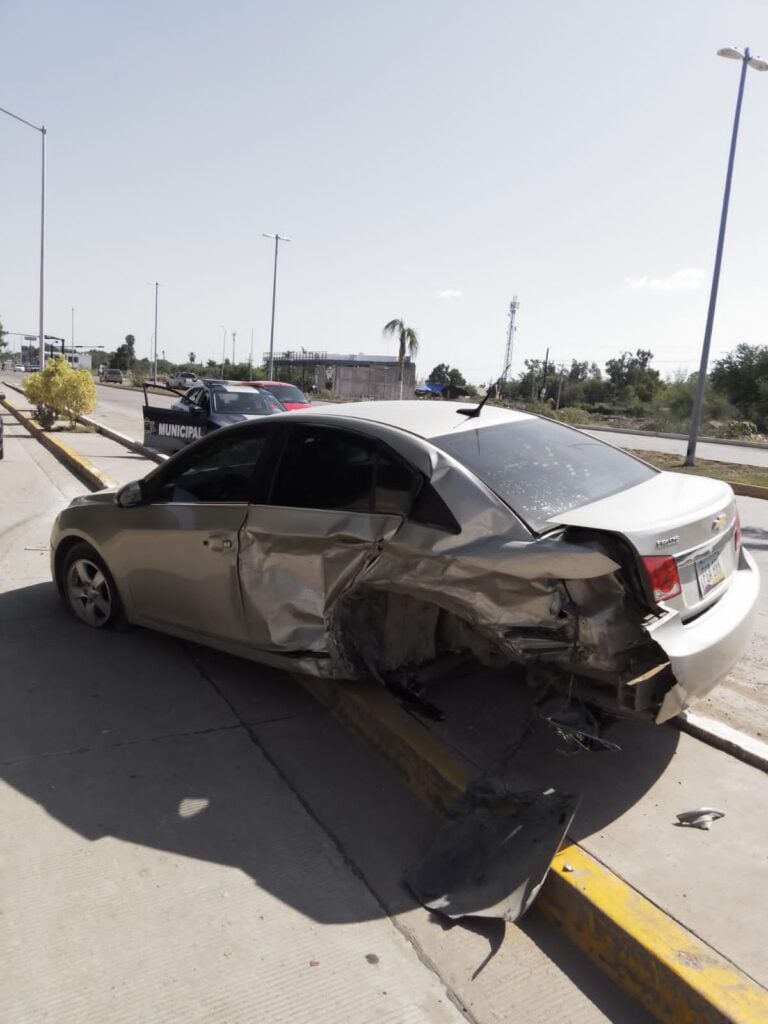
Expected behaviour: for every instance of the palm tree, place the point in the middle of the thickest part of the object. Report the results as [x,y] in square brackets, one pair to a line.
[406,338]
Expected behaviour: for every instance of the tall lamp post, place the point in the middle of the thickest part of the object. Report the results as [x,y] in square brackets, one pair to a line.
[42,130]
[758,64]
[278,239]
[156,286]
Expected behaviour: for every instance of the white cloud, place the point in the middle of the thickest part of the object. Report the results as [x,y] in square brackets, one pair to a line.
[449,293]
[689,279]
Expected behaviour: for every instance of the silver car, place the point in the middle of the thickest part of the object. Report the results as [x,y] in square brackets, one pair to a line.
[393,539]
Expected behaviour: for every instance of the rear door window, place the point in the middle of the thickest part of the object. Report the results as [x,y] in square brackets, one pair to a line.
[325,468]
[541,468]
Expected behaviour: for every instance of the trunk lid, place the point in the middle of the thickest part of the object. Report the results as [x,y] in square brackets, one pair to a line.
[689,518]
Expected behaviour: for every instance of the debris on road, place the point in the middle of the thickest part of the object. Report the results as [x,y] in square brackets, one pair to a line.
[700,818]
[491,858]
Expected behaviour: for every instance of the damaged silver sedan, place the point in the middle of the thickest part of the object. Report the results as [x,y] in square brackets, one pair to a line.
[402,539]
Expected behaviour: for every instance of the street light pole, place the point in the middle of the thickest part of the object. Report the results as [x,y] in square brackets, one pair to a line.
[43,133]
[760,65]
[154,350]
[271,368]
[223,351]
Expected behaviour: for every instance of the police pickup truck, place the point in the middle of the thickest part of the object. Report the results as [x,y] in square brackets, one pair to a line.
[200,410]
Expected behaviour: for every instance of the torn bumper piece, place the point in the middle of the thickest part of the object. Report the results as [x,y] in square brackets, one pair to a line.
[491,860]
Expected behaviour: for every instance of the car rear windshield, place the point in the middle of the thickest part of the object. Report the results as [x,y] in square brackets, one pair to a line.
[541,468]
[245,403]
[286,393]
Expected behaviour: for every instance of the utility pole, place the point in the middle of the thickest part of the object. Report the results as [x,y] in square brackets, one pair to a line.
[759,64]
[250,359]
[544,375]
[156,285]
[234,335]
[271,369]
[72,332]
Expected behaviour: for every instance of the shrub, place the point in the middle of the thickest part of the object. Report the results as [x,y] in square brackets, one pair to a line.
[59,391]
[75,394]
[574,416]
[738,430]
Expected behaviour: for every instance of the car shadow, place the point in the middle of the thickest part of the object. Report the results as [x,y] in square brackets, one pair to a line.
[139,737]
[493,720]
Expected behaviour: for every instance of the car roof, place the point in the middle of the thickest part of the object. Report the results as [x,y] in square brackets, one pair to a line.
[237,389]
[426,419]
[272,383]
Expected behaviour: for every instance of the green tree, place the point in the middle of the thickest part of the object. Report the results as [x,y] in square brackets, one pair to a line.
[632,378]
[124,356]
[741,376]
[456,378]
[192,358]
[406,339]
[440,374]
[3,342]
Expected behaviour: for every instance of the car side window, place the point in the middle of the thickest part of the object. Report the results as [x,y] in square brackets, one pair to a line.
[325,469]
[224,470]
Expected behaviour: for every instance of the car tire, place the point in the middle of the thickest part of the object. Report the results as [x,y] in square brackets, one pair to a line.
[88,589]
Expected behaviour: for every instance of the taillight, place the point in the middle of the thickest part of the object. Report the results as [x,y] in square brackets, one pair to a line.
[662,572]
[737,534]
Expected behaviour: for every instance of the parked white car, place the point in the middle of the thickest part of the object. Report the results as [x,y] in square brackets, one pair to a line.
[182,379]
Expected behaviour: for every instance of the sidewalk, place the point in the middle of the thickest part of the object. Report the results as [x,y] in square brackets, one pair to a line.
[189,837]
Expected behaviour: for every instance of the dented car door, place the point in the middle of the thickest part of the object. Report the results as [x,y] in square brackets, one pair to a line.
[318,531]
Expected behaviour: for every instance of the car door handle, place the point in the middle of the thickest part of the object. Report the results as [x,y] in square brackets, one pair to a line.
[218,543]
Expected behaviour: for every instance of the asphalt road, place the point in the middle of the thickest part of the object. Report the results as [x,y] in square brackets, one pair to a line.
[741,454]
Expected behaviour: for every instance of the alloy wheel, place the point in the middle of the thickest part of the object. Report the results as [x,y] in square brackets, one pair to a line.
[89,593]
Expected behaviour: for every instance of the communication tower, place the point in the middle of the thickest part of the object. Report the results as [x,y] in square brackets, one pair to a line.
[513,308]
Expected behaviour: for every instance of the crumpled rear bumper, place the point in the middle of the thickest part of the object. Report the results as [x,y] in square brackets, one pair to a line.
[703,652]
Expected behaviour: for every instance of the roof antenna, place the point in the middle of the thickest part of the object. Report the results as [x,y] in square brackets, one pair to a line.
[475,411]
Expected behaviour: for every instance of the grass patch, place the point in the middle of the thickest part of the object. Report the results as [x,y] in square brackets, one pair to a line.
[733,472]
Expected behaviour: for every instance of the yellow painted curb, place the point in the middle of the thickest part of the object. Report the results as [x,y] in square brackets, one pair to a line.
[676,977]
[80,466]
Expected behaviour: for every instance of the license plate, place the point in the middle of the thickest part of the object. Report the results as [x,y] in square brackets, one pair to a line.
[709,573]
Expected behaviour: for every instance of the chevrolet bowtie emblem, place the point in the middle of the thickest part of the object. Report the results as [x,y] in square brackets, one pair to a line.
[719,521]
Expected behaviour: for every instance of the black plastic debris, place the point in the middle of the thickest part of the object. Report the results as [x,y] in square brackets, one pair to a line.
[575,724]
[491,861]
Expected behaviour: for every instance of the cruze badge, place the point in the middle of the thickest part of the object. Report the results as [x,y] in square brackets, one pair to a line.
[664,542]
[719,521]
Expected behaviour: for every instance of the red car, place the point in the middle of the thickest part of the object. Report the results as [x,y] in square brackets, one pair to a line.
[288,394]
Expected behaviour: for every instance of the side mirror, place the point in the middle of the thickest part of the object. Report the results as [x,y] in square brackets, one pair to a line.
[2,397]
[197,410]
[130,495]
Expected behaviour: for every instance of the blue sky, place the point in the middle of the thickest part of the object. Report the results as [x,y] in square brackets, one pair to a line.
[427,159]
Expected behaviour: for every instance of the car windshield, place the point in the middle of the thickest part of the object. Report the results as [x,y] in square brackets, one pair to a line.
[244,403]
[541,468]
[286,393]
